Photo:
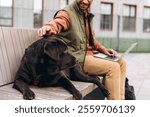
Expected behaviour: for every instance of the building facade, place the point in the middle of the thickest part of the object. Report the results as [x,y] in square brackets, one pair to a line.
[117,23]
[122,22]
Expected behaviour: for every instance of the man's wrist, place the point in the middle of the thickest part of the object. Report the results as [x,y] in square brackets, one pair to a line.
[103,50]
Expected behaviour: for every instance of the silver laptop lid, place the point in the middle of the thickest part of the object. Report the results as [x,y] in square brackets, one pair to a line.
[129,49]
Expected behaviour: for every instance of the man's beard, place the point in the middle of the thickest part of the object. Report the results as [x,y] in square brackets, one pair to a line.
[83,7]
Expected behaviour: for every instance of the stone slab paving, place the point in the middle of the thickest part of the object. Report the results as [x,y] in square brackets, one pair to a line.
[138,72]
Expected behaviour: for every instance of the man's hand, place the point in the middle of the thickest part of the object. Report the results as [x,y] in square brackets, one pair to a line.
[44,30]
[110,52]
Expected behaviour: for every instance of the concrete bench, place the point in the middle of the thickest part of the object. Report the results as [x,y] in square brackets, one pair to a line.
[13,42]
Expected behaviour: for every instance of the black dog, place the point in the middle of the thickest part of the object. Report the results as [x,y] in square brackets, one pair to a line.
[46,63]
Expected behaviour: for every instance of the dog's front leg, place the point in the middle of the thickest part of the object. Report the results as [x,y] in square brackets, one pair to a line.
[32,69]
[66,83]
[24,89]
[78,75]
[60,79]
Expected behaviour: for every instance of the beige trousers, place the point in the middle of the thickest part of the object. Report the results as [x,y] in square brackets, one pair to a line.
[114,72]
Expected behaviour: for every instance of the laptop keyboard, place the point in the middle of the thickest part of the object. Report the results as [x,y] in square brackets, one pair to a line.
[111,57]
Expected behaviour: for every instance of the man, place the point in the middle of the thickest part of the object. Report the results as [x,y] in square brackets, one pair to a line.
[73,25]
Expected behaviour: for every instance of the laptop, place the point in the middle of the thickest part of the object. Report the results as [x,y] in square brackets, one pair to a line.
[115,58]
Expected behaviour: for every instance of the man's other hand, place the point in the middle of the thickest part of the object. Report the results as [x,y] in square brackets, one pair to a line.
[110,52]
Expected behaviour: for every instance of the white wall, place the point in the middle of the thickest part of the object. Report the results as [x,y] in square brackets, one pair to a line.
[23,13]
[50,7]
[118,10]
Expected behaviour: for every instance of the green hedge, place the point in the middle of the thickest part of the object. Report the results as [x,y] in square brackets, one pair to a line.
[143,44]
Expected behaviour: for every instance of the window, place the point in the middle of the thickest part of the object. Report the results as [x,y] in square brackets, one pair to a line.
[129,18]
[106,16]
[38,13]
[6,17]
[146,20]
[63,3]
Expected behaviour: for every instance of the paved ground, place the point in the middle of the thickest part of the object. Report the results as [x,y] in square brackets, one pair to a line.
[138,72]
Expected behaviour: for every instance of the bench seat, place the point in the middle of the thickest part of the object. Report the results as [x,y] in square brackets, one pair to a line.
[49,93]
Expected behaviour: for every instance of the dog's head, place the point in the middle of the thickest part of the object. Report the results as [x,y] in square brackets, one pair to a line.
[57,56]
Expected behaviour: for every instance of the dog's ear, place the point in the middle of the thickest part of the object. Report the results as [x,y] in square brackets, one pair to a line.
[61,45]
[54,48]
[50,50]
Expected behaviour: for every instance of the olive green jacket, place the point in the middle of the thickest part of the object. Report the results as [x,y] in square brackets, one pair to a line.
[75,36]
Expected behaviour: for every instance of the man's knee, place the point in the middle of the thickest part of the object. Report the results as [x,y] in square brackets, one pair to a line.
[122,62]
[115,67]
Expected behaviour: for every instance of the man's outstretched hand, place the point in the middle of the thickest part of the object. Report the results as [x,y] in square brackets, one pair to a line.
[46,30]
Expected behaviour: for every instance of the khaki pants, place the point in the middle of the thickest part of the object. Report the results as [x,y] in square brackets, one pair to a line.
[114,73]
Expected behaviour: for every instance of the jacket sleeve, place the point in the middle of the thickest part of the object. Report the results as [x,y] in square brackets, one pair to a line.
[98,46]
[61,22]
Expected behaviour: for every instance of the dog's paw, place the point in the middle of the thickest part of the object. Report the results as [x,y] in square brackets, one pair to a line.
[77,95]
[29,95]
